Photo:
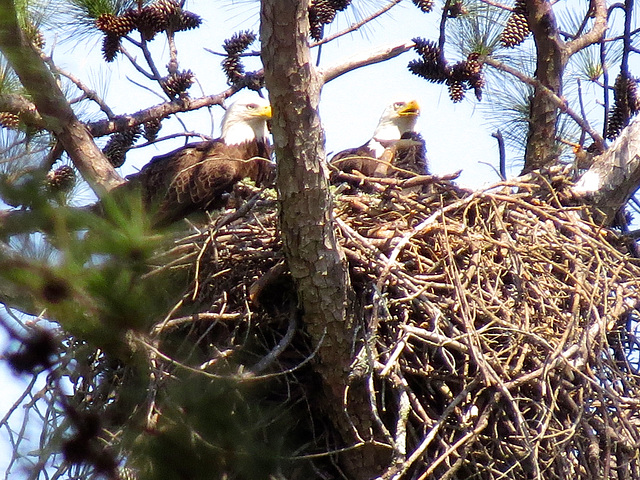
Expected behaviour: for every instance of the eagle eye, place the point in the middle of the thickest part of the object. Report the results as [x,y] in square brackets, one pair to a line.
[252,106]
[398,104]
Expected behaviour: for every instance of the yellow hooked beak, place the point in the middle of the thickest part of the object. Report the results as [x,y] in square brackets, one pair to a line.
[411,108]
[266,112]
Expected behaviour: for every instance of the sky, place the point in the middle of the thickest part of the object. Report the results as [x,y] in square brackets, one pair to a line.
[456,135]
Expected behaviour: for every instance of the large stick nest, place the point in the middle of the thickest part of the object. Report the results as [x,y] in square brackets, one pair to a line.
[496,324]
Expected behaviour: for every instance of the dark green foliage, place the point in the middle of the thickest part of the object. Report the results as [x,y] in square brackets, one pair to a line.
[36,352]
[210,427]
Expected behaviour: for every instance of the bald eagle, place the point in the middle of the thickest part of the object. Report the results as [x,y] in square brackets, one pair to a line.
[374,158]
[197,176]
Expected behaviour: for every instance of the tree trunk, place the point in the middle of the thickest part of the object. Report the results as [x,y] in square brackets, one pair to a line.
[314,257]
[541,150]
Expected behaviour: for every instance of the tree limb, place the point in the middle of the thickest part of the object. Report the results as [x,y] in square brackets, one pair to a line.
[362,60]
[21,106]
[595,34]
[615,175]
[52,105]
[560,102]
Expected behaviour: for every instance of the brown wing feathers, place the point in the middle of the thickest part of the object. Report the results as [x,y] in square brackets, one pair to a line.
[197,176]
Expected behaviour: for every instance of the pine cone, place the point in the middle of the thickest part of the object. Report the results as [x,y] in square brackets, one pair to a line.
[167,7]
[617,121]
[61,179]
[105,22]
[177,84]
[424,5]
[239,42]
[323,12]
[233,69]
[9,120]
[456,91]
[110,46]
[340,5]
[187,21]
[118,145]
[117,26]
[517,27]
[151,129]
[234,46]
[316,29]
[152,20]
[625,106]
[474,75]
[431,66]
[632,96]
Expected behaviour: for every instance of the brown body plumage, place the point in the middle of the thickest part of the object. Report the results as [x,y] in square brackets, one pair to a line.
[197,177]
[394,144]
[409,156]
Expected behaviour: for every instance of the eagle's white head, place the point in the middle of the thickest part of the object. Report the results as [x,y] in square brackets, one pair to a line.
[245,121]
[399,117]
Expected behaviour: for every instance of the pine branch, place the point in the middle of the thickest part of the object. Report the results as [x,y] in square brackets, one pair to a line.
[58,116]
[560,102]
[87,92]
[355,26]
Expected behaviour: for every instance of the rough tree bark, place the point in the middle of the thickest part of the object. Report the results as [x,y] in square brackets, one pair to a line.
[614,176]
[52,106]
[551,60]
[314,257]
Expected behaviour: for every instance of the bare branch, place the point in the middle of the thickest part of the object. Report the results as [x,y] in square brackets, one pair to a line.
[88,93]
[135,64]
[24,108]
[362,60]
[163,110]
[595,34]
[355,26]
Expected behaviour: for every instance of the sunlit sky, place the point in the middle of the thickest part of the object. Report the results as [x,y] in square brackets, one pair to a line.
[457,136]
[351,105]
